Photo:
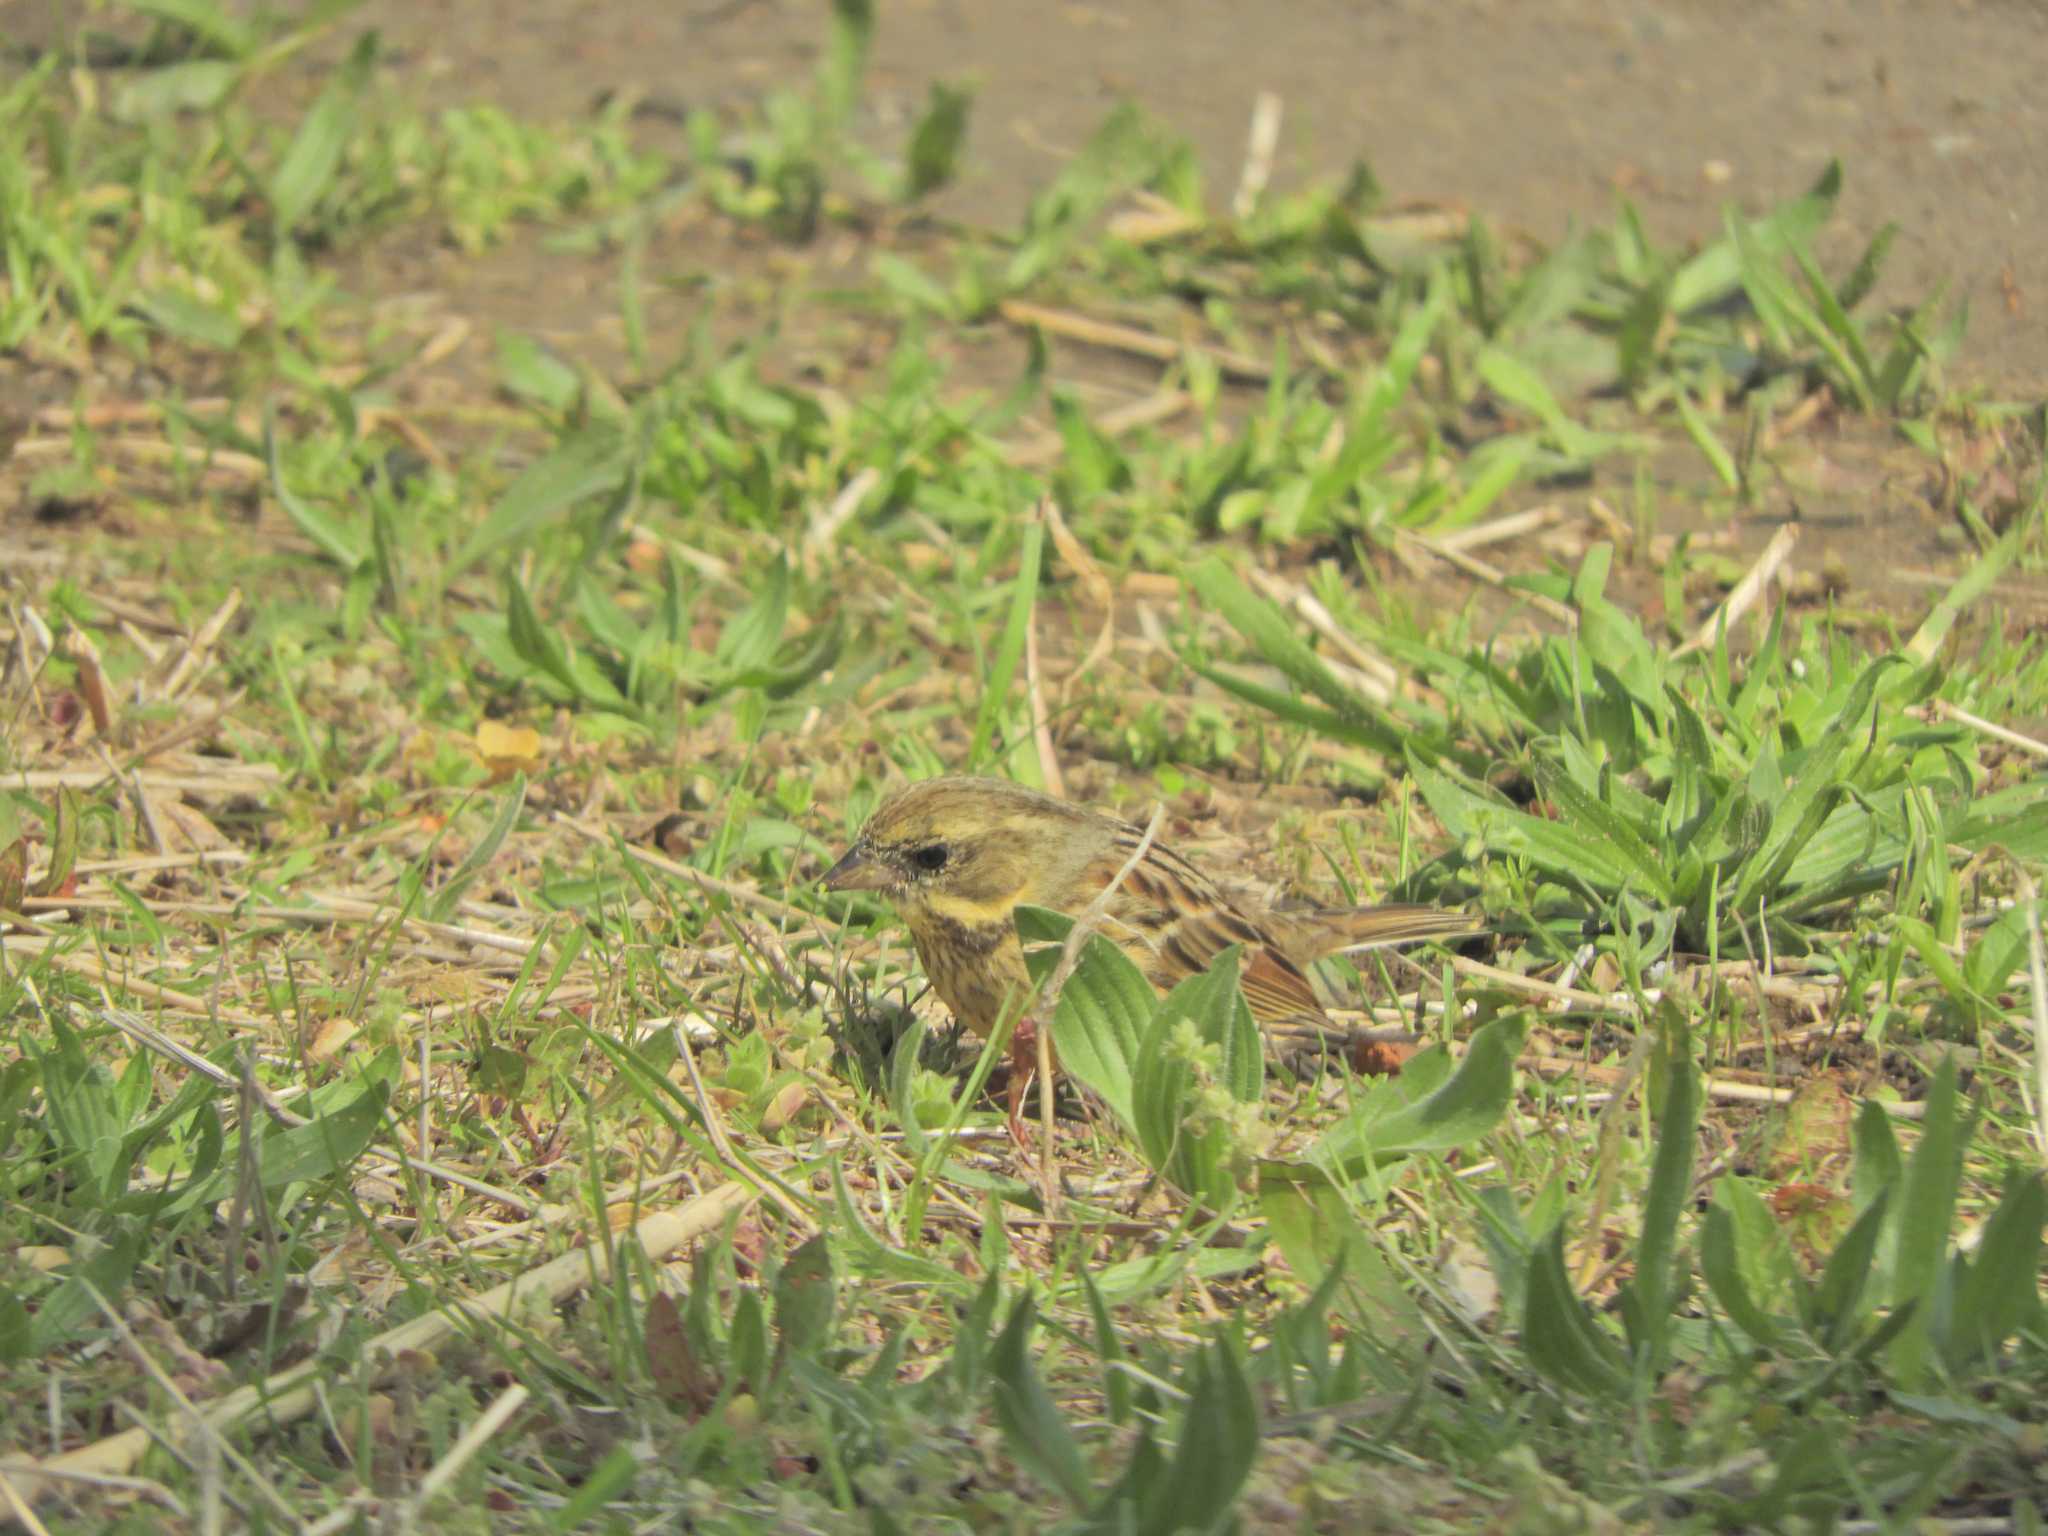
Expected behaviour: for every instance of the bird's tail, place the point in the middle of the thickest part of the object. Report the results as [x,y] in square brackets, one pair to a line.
[1312,934]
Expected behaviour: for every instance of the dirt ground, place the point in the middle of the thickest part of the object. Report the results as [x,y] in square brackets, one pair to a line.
[1534,114]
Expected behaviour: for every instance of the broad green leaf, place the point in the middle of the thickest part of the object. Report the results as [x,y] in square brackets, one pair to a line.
[17,1329]
[1205,1018]
[1800,813]
[2000,1293]
[1275,641]
[74,1307]
[1519,384]
[2000,950]
[208,20]
[441,905]
[1033,1429]
[1390,382]
[1926,1213]
[1651,1291]
[1962,597]
[1307,1217]
[326,1145]
[302,177]
[848,37]
[805,1298]
[1219,1442]
[1103,1010]
[188,318]
[1877,1169]
[1717,271]
[1844,340]
[936,141]
[1836,1304]
[1495,473]
[751,636]
[1587,819]
[866,1254]
[1010,649]
[591,463]
[541,649]
[1701,431]
[1560,1337]
[532,371]
[1721,1267]
[1470,814]
[1296,711]
[909,282]
[334,541]
[1467,1106]
[1318,1232]
[2015,818]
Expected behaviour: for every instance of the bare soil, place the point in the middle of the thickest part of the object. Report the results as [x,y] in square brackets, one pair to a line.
[1536,115]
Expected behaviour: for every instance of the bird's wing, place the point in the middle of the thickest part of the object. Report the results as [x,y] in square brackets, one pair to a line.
[1171,919]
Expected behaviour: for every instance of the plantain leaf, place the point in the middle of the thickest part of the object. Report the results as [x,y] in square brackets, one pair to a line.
[1275,641]
[1469,814]
[1010,649]
[441,905]
[1103,1011]
[592,462]
[1721,1267]
[1559,1335]
[1202,1037]
[309,165]
[1926,1211]
[1219,1442]
[1465,1107]
[2000,1291]
[1835,1305]
[1649,1295]
[1030,1420]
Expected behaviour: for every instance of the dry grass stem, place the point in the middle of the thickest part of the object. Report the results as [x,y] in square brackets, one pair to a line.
[1550,607]
[1747,591]
[1261,143]
[289,1395]
[1127,338]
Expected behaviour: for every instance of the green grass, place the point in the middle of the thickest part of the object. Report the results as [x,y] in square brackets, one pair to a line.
[427,894]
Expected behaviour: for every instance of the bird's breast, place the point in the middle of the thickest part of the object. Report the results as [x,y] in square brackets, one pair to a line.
[974,962]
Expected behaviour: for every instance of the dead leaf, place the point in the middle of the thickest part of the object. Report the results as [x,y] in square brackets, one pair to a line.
[331,1036]
[1810,1139]
[1814,1219]
[92,681]
[1468,1279]
[186,829]
[679,1375]
[1380,1058]
[13,875]
[784,1106]
[1790,1200]
[507,749]
[61,878]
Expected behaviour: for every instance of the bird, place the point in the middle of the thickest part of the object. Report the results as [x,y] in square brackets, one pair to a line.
[957,855]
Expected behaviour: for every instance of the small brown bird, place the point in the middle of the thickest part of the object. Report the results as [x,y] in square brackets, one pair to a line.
[956,857]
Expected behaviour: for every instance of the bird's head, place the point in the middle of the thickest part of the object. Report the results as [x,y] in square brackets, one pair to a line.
[972,848]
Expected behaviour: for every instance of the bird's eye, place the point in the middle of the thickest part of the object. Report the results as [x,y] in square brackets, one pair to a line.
[931,857]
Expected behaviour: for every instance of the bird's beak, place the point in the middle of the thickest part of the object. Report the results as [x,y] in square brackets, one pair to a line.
[859,870]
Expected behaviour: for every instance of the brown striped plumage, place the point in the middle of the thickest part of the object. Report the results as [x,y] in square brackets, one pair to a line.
[957,856]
